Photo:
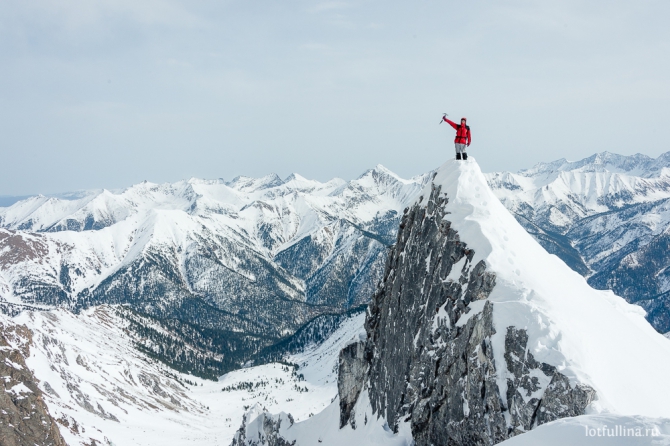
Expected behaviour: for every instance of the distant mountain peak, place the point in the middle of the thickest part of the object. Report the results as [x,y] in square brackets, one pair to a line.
[295,177]
[380,171]
[244,183]
[636,165]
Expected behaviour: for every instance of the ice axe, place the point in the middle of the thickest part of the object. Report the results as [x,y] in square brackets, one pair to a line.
[443,115]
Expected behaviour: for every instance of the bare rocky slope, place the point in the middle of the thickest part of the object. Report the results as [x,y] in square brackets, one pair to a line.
[432,365]
[24,417]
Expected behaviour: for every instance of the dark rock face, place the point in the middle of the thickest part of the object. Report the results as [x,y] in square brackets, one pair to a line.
[350,379]
[561,400]
[424,368]
[537,393]
[24,418]
[460,403]
[429,344]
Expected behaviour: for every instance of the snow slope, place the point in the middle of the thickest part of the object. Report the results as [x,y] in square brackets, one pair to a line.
[606,217]
[601,429]
[99,386]
[591,336]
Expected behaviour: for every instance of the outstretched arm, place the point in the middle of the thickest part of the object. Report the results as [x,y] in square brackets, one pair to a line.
[451,123]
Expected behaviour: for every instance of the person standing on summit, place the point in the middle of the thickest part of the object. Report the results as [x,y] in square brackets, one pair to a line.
[463,137]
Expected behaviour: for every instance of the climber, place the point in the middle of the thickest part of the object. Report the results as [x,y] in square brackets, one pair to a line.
[463,137]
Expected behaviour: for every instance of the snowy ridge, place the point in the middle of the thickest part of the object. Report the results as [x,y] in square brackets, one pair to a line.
[563,195]
[100,233]
[585,333]
[240,199]
[634,165]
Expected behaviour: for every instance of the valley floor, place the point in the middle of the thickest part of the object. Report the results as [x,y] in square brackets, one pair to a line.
[101,388]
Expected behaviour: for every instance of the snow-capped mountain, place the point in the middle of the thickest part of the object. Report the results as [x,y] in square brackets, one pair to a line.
[558,194]
[244,263]
[257,258]
[99,389]
[637,165]
[606,216]
[476,335]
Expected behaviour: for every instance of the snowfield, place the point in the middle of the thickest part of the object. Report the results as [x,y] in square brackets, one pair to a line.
[595,430]
[100,387]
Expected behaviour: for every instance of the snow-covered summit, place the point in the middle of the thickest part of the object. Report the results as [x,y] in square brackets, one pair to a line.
[592,336]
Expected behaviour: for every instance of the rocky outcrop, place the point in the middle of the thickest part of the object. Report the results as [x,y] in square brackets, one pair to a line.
[536,392]
[430,358]
[429,345]
[260,428]
[350,379]
[24,418]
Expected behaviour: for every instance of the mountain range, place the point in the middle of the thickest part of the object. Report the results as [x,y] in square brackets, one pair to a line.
[231,267]
[474,334]
[257,258]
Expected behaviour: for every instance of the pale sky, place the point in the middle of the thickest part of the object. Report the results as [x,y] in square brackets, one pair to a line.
[104,94]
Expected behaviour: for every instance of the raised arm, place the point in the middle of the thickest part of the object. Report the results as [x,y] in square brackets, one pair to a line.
[451,123]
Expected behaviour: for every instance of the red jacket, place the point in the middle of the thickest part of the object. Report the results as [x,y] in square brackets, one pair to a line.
[463,135]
